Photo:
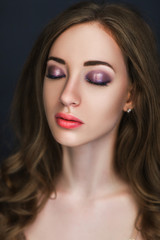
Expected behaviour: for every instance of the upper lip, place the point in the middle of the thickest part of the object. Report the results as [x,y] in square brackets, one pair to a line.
[67,117]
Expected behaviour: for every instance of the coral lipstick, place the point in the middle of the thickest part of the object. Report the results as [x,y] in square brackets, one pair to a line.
[67,121]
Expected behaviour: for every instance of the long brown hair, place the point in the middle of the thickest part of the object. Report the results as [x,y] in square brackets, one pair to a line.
[28,177]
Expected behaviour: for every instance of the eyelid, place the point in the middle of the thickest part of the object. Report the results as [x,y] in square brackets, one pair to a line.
[56,65]
[101,67]
[50,63]
[98,77]
[54,72]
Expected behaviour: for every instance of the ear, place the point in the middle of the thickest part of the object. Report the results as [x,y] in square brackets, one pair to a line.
[128,106]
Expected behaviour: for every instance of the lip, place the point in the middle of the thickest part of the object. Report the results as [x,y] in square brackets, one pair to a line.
[67,121]
[67,117]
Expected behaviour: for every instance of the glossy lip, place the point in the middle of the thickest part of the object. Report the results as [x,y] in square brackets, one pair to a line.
[67,121]
[68,117]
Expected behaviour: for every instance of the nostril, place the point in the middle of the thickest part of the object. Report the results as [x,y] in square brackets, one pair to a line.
[69,100]
[75,103]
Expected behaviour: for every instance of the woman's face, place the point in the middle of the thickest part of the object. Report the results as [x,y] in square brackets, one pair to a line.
[86,78]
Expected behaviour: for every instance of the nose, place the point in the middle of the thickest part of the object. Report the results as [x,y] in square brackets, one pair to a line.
[70,95]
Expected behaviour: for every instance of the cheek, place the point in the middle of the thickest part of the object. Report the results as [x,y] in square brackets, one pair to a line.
[112,100]
[47,98]
[50,96]
[108,105]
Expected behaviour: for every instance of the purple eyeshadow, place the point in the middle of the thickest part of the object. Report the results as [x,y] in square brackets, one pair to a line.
[55,72]
[98,77]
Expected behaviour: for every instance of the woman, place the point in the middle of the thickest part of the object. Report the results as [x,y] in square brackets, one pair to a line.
[86,113]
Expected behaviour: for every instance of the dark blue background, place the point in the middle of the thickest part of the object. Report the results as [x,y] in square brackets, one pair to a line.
[20,24]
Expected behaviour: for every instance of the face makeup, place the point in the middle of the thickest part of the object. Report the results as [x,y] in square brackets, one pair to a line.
[54,72]
[98,77]
[67,121]
[86,85]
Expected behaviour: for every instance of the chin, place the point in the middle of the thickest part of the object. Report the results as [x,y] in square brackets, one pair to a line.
[68,141]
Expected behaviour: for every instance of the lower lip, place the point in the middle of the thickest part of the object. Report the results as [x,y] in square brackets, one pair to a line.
[67,124]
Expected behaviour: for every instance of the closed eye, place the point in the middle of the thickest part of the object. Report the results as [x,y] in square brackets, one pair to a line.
[55,77]
[54,72]
[96,83]
[97,77]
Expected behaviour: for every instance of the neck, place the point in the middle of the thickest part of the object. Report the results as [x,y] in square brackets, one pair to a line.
[88,169]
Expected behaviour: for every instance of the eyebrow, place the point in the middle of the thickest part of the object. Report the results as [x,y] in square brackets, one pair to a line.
[97,62]
[59,60]
[86,64]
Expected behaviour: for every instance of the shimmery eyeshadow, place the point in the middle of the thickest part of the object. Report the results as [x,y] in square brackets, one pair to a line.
[98,77]
[54,72]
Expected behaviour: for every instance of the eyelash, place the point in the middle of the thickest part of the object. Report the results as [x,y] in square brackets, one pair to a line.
[55,77]
[103,84]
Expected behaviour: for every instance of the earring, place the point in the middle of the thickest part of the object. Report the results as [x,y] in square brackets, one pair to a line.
[129,110]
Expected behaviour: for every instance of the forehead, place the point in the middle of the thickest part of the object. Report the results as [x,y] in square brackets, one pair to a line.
[87,41]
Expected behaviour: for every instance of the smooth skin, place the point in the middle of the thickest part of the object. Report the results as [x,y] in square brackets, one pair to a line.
[92,202]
